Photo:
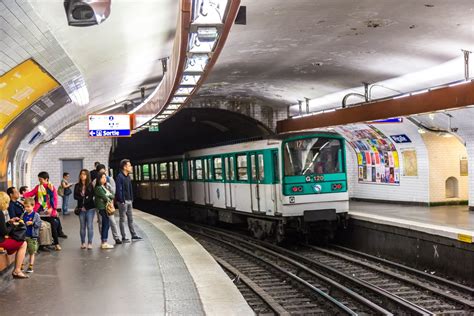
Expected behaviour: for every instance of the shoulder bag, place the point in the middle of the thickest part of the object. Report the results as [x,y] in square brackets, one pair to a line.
[18,232]
[109,207]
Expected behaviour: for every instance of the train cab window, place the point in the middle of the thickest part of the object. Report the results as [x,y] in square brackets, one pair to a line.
[175,170]
[218,168]
[198,166]
[191,169]
[242,168]
[164,171]
[317,155]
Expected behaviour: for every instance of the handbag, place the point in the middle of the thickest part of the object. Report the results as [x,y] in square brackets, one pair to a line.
[109,208]
[78,210]
[18,232]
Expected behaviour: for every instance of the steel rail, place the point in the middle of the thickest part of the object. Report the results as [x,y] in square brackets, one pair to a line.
[290,275]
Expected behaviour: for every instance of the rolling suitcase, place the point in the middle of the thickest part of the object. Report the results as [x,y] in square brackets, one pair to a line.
[45,235]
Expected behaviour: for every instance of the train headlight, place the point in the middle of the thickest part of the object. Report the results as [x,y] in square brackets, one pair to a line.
[317,188]
[336,186]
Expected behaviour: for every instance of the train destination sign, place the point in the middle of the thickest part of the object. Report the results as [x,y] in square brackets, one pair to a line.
[110,125]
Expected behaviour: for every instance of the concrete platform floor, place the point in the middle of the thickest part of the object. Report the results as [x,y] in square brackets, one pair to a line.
[448,221]
[146,277]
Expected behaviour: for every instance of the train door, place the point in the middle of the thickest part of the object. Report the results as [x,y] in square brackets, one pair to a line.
[256,170]
[275,180]
[229,177]
[190,180]
[207,182]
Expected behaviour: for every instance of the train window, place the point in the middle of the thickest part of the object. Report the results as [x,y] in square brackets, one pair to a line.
[261,167]
[155,167]
[253,167]
[175,170]
[198,166]
[242,168]
[276,169]
[163,171]
[218,168]
[317,155]
[206,169]
[229,169]
[139,174]
[146,172]
[191,169]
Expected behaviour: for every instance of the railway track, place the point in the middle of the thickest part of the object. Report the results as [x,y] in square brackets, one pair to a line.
[386,286]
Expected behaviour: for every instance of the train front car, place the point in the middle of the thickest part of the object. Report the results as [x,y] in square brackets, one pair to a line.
[314,183]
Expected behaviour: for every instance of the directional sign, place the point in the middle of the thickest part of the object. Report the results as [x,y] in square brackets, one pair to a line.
[109,125]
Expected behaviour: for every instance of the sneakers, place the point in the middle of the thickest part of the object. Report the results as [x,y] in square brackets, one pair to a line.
[106,246]
[57,247]
[89,247]
[125,240]
[83,246]
[30,269]
[135,238]
[118,241]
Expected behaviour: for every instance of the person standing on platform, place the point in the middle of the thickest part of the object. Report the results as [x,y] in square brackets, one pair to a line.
[94,171]
[110,185]
[84,194]
[66,192]
[22,190]
[33,224]
[124,198]
[15,208]
[46,199]
[102,197]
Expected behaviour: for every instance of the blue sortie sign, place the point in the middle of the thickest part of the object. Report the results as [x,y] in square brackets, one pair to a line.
[111,133]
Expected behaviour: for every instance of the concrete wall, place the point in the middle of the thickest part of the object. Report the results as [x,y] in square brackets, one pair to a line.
[411,188]
[444,160]
[71,144]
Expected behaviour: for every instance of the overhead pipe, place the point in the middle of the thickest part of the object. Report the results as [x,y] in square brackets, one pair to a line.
[365,96]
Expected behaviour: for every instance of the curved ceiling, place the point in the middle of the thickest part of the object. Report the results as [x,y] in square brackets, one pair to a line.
[304,48]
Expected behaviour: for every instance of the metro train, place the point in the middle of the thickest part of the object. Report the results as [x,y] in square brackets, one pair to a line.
[290,182]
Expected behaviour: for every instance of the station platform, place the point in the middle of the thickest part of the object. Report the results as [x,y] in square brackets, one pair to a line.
[451,221]
[166,273]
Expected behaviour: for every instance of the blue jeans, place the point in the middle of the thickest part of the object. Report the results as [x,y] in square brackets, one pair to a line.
[104,234]
[86,219]
[65,203]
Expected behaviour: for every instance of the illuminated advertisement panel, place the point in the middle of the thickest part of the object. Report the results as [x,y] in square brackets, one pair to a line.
[20,88]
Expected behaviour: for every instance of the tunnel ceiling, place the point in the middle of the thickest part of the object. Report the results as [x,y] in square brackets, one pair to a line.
[190,129]
[305,48]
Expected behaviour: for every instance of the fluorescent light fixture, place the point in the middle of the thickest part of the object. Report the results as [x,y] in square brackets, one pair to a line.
[196,63]
[168,112]
[402,96]
[421,131]
[207,33]
[42,129]
[54,142]
[178,100]
[458,83]
[209,11]
[184,91]
[419,92]
[330,110]
[154,124]
[447,135]
[195,45]
[190,80]
[155,120]
[173,106]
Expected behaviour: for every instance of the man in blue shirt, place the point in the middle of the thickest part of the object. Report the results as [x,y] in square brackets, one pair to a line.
[15,208]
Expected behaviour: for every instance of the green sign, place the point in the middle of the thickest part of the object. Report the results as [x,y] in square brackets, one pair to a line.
[155,128]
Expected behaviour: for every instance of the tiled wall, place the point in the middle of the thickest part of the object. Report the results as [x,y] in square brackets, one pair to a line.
[444,157]
[71,144]
[411,189]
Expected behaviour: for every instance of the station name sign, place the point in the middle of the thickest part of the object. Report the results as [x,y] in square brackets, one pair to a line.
[110,125]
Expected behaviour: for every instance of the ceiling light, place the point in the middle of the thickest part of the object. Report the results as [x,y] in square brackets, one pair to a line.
[421,131]
[190,80]
[458,83]
[209,11]
[173,106]
[54,142]
[178,100]
[402,96]
[184,91]
[196,63]
[195,45]
[42,129]
[168,112]
[419,92]
[207,34]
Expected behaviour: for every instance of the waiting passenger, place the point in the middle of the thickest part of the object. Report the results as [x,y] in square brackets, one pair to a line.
[111,187]
[9,244]
[15,208]
[46,199]
[84,194]
[102,197]
[22,190]
[124,197]
[65,189]
[33,224]
[94,172]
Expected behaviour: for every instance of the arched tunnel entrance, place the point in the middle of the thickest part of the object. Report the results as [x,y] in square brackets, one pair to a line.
[191,128]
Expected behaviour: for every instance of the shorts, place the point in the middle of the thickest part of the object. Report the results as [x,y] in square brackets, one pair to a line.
[11,245]
[31,245]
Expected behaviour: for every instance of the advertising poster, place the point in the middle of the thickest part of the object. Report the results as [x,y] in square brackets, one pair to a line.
[410,163]
[377,156]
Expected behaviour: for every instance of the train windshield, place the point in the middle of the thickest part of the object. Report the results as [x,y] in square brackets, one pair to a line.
[308,156]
